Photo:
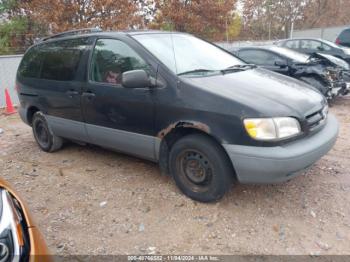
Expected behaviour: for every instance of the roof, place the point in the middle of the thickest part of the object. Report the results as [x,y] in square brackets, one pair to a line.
[301,38]
[267,47]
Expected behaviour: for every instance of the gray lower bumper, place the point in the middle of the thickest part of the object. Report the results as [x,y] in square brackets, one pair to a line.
[281,163]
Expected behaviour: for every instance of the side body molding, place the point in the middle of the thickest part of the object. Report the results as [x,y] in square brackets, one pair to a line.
[139,145]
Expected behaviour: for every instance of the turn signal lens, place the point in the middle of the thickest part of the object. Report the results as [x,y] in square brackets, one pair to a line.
[260,128]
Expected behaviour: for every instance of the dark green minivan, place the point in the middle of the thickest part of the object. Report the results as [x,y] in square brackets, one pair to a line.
[205,116]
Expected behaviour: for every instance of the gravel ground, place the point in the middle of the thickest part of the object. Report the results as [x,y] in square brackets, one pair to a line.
[87,200]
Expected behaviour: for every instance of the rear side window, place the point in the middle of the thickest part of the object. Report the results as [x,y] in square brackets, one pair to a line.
[31,64]
[345,36]
[61,59]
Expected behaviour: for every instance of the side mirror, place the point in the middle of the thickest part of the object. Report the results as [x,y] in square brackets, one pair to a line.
[320,48]
[281,64]
[136,79]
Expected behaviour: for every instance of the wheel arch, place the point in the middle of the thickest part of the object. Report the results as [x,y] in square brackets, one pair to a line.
[178,130]
[30,113]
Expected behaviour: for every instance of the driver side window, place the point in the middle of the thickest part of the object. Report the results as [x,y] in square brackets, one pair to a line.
[111,58]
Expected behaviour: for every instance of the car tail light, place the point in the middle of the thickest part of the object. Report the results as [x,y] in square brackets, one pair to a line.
[337,41]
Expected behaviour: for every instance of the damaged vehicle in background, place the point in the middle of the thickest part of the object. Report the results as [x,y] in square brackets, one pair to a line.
[20,240]
[316,70]
[341,65]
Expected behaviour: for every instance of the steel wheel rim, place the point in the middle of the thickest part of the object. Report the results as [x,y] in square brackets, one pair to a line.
[42,134]
[195,170]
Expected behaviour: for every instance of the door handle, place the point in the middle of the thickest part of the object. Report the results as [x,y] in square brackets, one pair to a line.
[72,93]
[88,95]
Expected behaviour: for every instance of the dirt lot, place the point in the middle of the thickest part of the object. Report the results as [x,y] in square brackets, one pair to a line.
[88,200]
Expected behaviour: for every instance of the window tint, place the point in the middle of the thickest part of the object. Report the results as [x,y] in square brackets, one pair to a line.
[61,59]
[311,45]
[260,57]
[345,36]
[111,58]
[292,44]
[31,63]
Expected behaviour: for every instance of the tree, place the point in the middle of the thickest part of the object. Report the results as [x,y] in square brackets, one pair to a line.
[266,19]
[234,27]
[62,15]
[14,27]
[205,18]
[319,12]
[147,10]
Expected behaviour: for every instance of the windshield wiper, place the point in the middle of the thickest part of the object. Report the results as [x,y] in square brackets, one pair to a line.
[238,68]
[196,71]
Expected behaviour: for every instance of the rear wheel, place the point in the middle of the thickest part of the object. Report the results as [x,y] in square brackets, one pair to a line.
[317,84]
[201,168]
[46,140]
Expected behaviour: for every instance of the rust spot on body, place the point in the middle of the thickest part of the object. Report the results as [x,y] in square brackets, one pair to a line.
[184,124]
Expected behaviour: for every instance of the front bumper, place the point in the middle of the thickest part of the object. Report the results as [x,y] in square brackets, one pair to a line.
[261,165]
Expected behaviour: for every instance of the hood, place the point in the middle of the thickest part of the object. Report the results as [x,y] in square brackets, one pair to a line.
[268,93]
[334,61]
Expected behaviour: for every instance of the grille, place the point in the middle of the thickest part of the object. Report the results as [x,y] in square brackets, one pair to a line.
[316,119]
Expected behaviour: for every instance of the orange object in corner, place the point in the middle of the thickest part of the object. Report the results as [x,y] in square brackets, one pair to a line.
[9,106]
[38,249]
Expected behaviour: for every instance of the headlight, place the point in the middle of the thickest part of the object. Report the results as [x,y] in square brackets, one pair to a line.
[272,128]
[11,232]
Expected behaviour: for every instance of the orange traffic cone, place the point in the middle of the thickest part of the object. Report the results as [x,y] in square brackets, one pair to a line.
[9,106]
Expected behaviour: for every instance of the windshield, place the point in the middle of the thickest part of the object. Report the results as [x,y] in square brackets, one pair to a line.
[293,55]
[183,53]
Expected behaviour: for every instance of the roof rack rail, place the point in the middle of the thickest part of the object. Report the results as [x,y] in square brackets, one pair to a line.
[73,32]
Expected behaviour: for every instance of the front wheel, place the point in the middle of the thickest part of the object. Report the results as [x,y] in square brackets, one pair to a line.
[201,168]
[46,140]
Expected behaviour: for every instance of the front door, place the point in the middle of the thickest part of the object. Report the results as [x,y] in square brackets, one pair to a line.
[117,117]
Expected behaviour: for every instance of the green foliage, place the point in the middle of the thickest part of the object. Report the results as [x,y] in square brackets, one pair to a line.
[9,31]
[7,5]
[167,26]
[234,26]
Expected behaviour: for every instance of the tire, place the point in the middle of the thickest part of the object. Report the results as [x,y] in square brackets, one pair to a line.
[316,84]
[200,168]
[46,140]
